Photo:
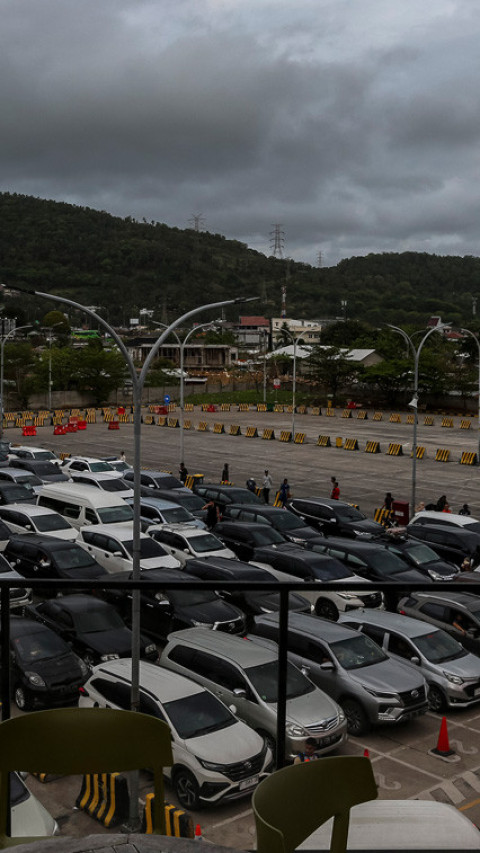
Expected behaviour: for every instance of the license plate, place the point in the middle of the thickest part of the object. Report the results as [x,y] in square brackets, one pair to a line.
[248,783]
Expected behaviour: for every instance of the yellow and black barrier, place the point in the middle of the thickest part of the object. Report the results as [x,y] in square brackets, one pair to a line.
[395,419]
[383,516]
[202,426]
[225,407]
[251,432]
[104,796]
[299,438]
[278,407]
[468,458]
[447,422]
[218,429]
[288,409]
[429,420]
[338,441]
[235,429]
[187,424]
[302,410]
[285,435]
[261,407]
[149,420]
[177,822]
[64,456]
[124,417]
[173,422]
[162,421]
[243,407]
[362,415]
[268,434]
[277,501]
[394,450]
[330,413]
[350,444]
[420,452]
[316,410]
[324,441]
[188,407]
[193,478]
[442,455]
[410,419]
[347,413]
[464,424]
[372,447]
[377,416]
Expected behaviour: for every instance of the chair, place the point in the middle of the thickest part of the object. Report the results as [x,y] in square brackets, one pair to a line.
[82,741]
[291,803]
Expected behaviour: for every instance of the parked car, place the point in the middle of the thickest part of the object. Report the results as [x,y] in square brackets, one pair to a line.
[20,595]
[155,510]
[26,518]
[89,463]
[245,539]
[189,500]
[458,613]
[112,546]
[118,464]
[45,471]
[245,677]
[185,542]
[450,518]
[21,477]
[291,526]
[223,495]
[422,557]
[251,602]
[163,611]
[13,493]
[43,557]
[44,670]
[294,563]
[334,518]
[153,479]
[29,818]
[452,674]
[449,542]
[371,687]
[39,453]
[5,534]
[373,562]
[215,756]
[104,481]
[92,627]
[82,505]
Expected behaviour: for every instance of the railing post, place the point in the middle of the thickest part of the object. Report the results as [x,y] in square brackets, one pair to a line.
[5,653]
[282,677]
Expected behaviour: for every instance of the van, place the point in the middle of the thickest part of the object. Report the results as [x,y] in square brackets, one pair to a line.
[82,505]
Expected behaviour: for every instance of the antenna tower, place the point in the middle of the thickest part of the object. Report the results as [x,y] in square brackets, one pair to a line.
[198,221]
[277,241]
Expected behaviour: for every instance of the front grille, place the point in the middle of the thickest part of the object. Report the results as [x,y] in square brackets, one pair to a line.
[373,599]
[419,696]
[470,689]
[322,726]
[244,769]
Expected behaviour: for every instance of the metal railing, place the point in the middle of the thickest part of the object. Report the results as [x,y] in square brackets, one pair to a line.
[283,588]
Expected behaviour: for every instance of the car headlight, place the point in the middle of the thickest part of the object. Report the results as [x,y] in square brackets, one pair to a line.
[435,576]
[341,717]
[149,650]
[113,656]
[294,730]
[211,765]
[297,540]
[196,624]
[35,679]
[362,533]
[455,679]
[347,595]
[382,694]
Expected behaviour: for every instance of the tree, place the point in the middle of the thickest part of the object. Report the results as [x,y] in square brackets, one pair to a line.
[332,369]
[389,377]
[98,371]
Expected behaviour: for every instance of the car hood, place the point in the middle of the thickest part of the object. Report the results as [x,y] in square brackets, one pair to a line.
[117,640]
[387,676]
[211,612]
[269,602]
[228,746]
[303,534]
[30,819]
[310,708]
[365,525]
[82,573]
[64,668]
[467,666]
[166,562]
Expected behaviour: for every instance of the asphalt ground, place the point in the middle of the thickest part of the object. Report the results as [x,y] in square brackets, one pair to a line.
[403,763]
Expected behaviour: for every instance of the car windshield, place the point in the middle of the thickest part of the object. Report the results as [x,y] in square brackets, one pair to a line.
[100,466]
[177,515]
[197,715]
[269,536]
[28,480]
[439,647]
[191,597]
[192,502]
[207,542]
[114,484]
[91,621]
[243,496]
[115,514]
[39,645]
[385,562]
[264,679]
[473,527]
[167,482]
[13,493]
[357,652]
[420,554]
[286,521]
[51,522]
[72,558]
[349,513]
[46,469]
[330,570]
[148,548]
[44,455]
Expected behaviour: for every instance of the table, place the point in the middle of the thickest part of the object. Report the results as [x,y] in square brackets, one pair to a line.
[120,843]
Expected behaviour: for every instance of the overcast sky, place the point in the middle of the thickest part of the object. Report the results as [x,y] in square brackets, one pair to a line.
[353,123]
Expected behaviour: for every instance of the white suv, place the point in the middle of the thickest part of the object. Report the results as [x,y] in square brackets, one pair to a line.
[111,545]
[215,756]
[188,543]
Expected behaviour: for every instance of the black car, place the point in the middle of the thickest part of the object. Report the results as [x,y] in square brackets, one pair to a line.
[188,499]
[93,628]
[48,557]
[163,611]
[244,538]
[224,495]
[153,479]
[334,518]
[449,542]
[14,493]
[45,471]
[422,557]
[373,562]
[251,602]
[44,669]
[293,528]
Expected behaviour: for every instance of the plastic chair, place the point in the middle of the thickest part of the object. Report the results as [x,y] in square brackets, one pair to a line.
[82,741]
[291,803]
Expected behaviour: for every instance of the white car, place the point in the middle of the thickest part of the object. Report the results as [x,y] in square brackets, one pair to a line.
[216,757]
[23,518]
[22,477]
[29,817]
[111,545]
[103,480]
[468,522]
[188,543]
[89,463]
[37,453]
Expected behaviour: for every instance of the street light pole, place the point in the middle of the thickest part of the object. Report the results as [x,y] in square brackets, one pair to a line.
[2,361]
[295,341]
[472,335]
[414,402]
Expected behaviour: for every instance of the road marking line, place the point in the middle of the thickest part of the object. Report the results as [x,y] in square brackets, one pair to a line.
[231,819]
[472,779]
[468,805]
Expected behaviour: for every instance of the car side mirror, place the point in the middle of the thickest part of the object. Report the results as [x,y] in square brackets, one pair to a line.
[306,670]
[415,660]
[327,666]
[240,692]
[28,527]
[233,709]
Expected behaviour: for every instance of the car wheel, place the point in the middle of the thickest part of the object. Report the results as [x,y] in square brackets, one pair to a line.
[436,699]
[21,700]
[357,720]
[186,789]
[326,609]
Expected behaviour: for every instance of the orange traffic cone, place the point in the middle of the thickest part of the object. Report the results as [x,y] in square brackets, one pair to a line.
[366,753]
[443,744]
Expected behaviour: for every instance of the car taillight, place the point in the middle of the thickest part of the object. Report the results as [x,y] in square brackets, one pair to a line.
[83,692]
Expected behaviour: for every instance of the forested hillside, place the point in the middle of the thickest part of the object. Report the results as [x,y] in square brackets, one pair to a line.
[122,265]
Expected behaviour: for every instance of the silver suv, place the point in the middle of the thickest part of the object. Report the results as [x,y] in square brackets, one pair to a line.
[245,677]
[370,686]
[452,673]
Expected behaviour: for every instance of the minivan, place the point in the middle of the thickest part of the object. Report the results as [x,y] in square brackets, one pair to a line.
[82,505]
[245,677]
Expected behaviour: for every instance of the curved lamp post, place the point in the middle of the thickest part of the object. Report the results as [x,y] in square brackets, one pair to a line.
[414,401]
[472,335]
[2,361]
[295,341]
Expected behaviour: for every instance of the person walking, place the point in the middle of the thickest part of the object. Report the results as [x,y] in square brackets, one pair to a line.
[465,510]
[183,473]
[267,485]
[335,493]
[225,474]
[212,514]
[284,492]
[388,502]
